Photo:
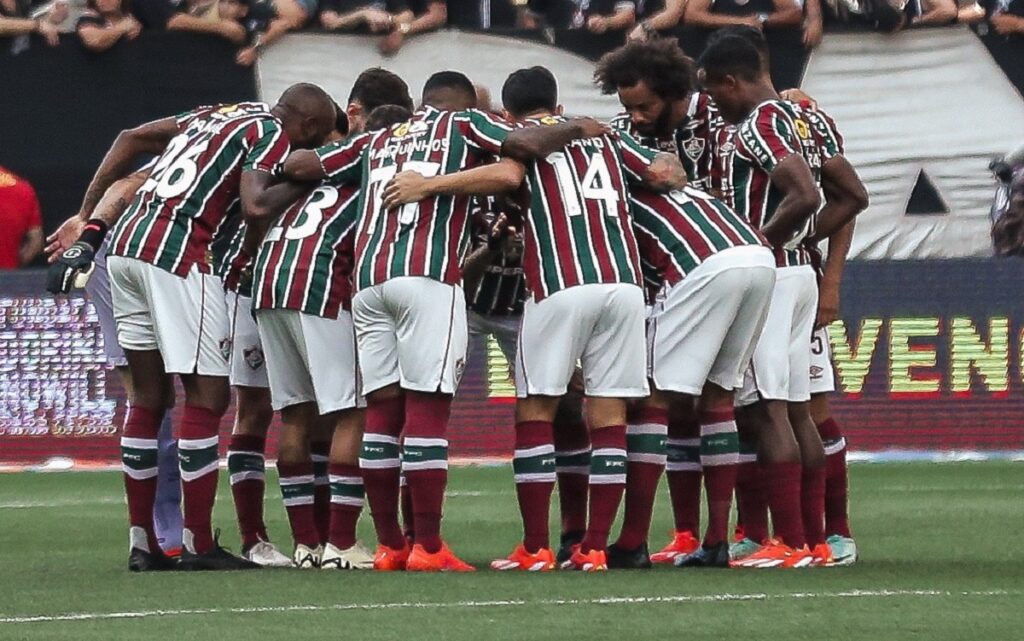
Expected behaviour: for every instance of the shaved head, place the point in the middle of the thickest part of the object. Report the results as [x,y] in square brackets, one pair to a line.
[308,114]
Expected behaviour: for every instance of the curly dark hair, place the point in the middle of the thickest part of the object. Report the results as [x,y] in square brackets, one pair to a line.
[660,63]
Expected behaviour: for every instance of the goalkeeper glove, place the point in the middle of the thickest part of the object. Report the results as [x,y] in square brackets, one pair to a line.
[75,265]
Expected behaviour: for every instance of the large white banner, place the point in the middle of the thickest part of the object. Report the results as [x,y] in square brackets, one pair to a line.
[930,101]
[923,105]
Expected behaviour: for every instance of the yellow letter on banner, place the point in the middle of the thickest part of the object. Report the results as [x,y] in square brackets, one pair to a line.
[903,357]
[968,351]
[853,364]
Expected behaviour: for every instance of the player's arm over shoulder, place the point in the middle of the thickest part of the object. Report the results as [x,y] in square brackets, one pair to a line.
[340,161]
[657,170]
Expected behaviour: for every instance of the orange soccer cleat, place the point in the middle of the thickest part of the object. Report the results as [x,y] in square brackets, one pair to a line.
[593,561]
[441,561]
[541,561]
[387,559]
[821,555]
[682,543]
[776,554]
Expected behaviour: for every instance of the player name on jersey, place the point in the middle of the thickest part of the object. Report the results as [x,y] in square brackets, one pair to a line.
[773,131]
[428,238]
[178,210]
[305,261]
[678,231]
[578,227]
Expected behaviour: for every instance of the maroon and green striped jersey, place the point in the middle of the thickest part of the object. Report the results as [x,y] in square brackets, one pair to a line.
[305,261]
[693,140]
[678,231]
[578,229]
[225,250]
[773,131]
[176,213]
[428,238]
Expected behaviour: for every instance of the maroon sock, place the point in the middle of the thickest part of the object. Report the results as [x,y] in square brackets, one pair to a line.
[645,455]
[380,464]
[533,465]
[683,471]
[719,461]
[405,498]
[783,481]
[812,504]
[752,499]
[837,520]
[197,453]
[572,467]
[320,452]
[346,504]
[296,480]
[425,463]
[248,485]
[139,451]
[607,483]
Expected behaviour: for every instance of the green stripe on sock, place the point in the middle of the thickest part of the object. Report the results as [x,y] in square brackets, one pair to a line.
[377,451]
[607,464]
[138,458]
[717,444]
[539,464]
[291,492]
[196,460]
[645,443]
[244,462]
[347,490]
[421,454]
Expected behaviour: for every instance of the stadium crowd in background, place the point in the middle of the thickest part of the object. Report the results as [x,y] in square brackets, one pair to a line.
[256,24]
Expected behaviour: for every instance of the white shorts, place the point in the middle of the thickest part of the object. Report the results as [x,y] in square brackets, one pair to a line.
[708,324]
[310,359]
[185,318]
[248,360]
[411,330]
[780,369]
[823,375]
[599,326]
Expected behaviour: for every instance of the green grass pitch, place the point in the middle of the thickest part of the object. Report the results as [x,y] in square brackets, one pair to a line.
[940,549]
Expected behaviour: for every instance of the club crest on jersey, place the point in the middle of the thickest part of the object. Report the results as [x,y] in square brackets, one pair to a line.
[802,129]
[254,357]
[225,348]
[694,147]
[549,120]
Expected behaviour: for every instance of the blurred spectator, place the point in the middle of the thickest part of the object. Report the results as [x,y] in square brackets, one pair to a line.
[396,20]
[224,18]
[18,21]
[21,225]
[936,12]
[889,16]
[485,14]
[668,17]
[427,15]
[1006,16]
[762,14]
[969,12]
[105,23]
[596,16]
[284,16]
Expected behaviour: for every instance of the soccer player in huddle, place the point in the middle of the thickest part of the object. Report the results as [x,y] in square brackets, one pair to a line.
[169,319]
[407,273]
[302,296]
[582,268]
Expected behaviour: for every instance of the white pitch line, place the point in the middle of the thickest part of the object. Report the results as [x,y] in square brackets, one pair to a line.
[505,603]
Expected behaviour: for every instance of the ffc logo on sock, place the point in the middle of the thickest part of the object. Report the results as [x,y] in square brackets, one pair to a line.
[139,457]
[534,464]
[646,443]
[379,451]
[424,454]
[607,466]
[719,446]
[347,490]
[297,490]
[246,466]
[197,457]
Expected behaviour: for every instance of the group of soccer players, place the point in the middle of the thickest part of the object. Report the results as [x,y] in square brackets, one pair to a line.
[656,284]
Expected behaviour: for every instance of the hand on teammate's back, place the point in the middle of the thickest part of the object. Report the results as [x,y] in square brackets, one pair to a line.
[407,187]
[590,128]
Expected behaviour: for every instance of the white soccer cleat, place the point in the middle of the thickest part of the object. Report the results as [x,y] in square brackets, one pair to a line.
[267,555]
[354,558]
[305,558]
[844,550]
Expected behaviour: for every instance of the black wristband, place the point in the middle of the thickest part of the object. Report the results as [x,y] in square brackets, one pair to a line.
[94,233]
